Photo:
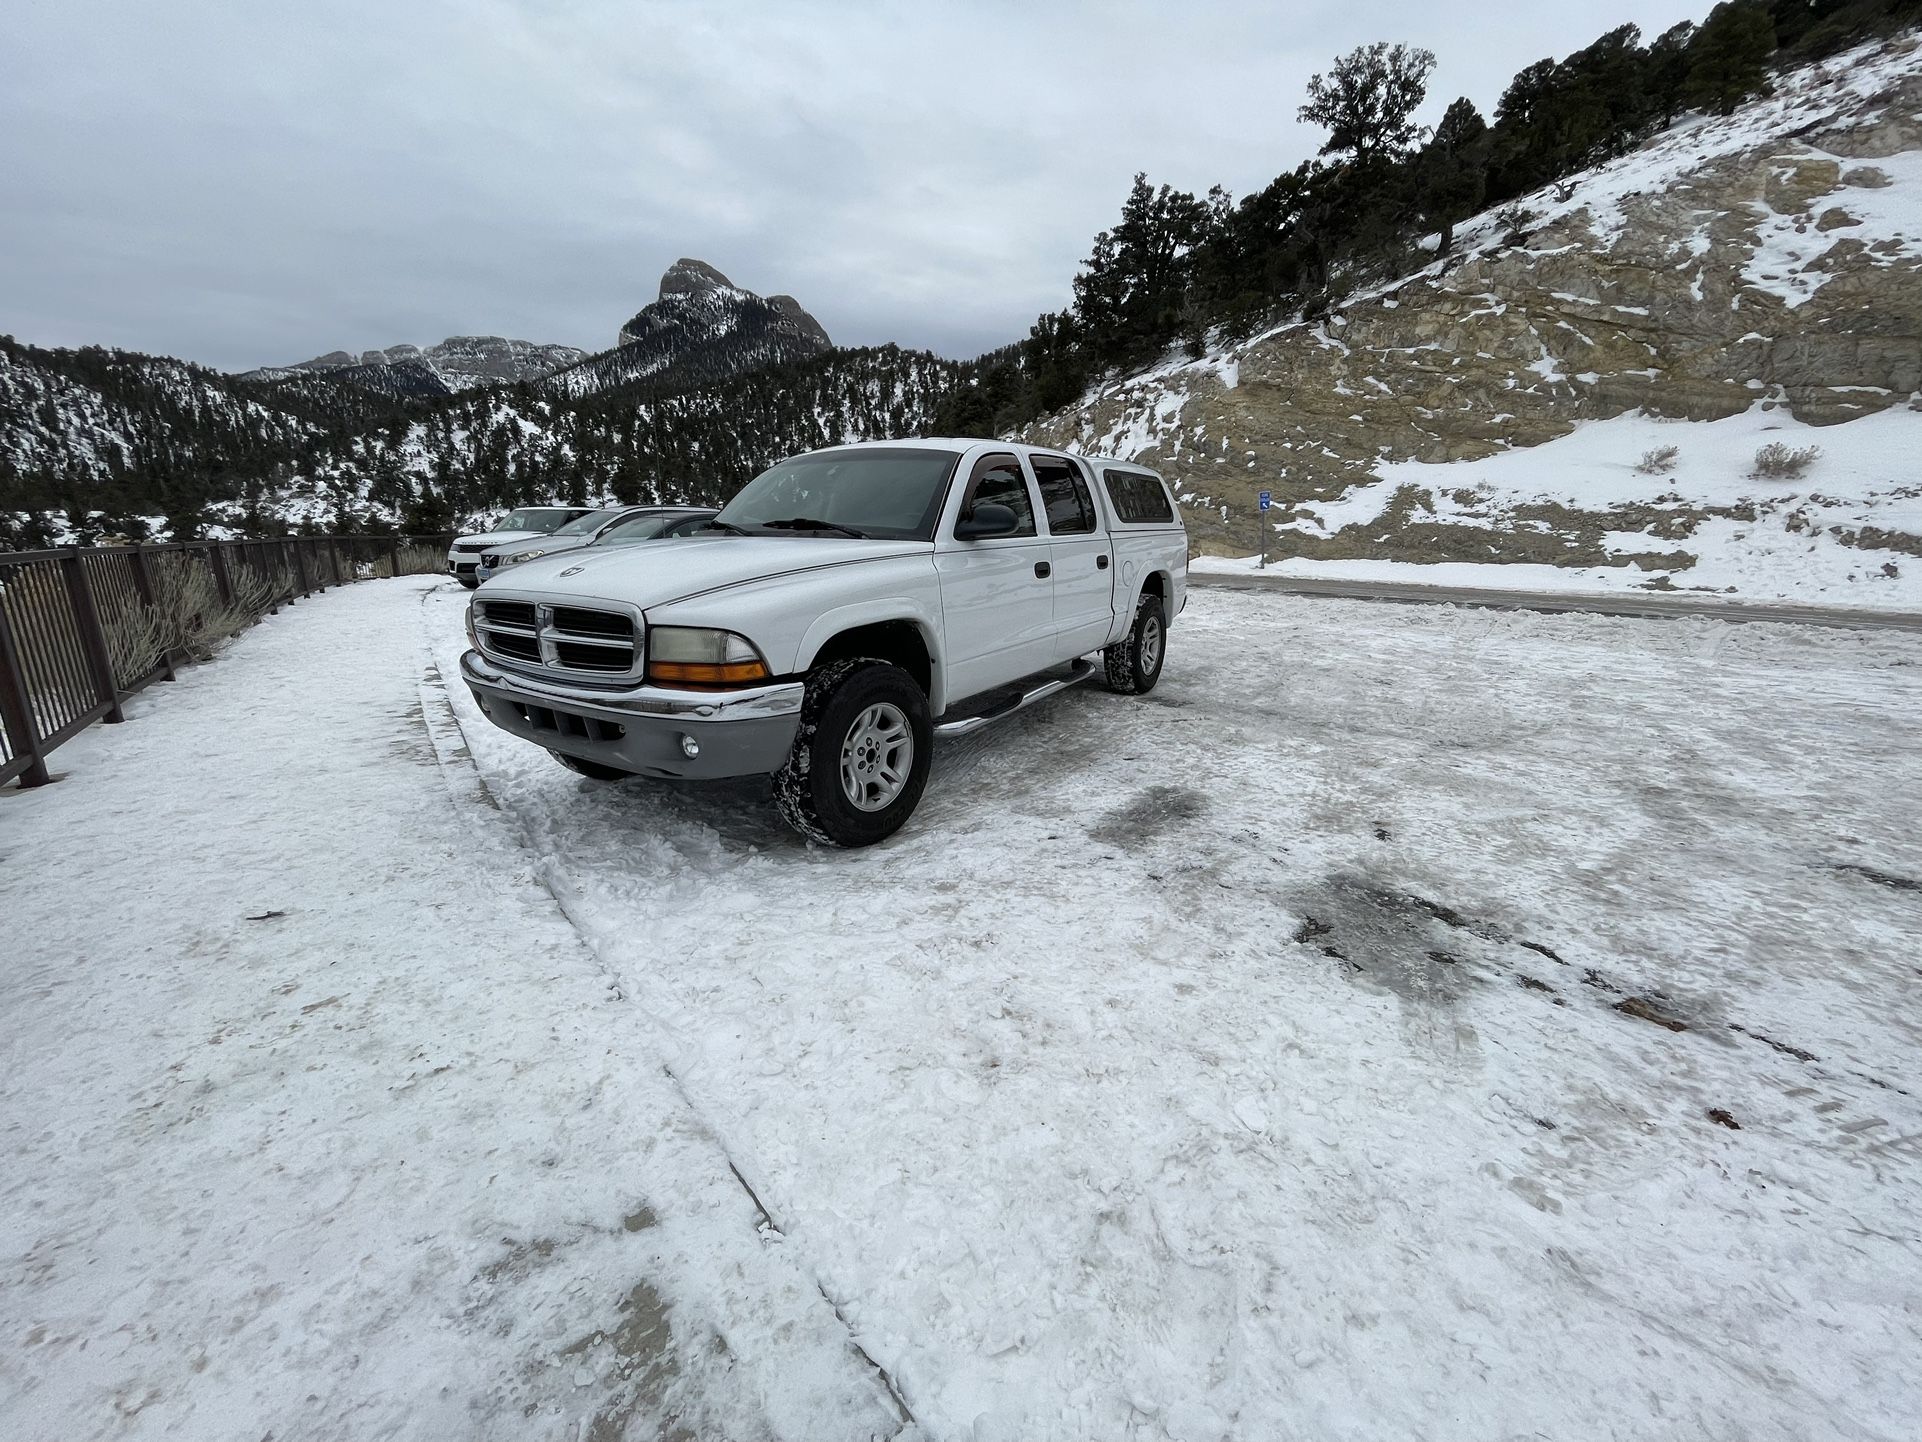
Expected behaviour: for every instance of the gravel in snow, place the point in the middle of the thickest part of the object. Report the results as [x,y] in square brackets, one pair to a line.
[1404,1021]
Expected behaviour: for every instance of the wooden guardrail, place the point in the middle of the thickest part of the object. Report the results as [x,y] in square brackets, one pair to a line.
[84,627]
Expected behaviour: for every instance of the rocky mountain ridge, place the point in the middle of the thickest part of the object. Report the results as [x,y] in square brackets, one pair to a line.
[459,363]
[1771,258]
[700,329]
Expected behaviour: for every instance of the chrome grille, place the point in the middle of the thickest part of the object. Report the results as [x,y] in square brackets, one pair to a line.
[572,640]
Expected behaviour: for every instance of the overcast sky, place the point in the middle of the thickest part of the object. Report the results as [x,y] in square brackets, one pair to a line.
[263,181]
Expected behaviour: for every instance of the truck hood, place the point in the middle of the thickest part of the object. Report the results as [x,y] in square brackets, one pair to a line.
[652,573]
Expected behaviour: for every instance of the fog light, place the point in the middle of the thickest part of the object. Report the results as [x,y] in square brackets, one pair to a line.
[690,748]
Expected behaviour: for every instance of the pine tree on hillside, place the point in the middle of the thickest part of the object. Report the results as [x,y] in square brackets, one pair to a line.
[1454,170]
[1366,102]
[1666,74]
[1131,289]
[1728,61]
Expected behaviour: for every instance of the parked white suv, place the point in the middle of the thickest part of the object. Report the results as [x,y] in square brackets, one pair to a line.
[463,557]
[855,603]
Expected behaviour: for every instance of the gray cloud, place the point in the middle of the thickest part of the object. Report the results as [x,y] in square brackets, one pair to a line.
[241,183]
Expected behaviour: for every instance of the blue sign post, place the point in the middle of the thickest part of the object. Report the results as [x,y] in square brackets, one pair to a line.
[1266,500]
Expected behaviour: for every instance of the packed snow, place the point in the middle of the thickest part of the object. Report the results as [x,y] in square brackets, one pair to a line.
[1404,1021]
[1786,543]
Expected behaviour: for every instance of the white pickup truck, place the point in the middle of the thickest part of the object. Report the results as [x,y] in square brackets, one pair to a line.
[850,605]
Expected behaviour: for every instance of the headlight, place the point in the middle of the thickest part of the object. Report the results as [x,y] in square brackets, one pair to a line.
[518,557]
[699,656]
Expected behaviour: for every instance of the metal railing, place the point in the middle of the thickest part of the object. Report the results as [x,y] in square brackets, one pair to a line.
[84,627]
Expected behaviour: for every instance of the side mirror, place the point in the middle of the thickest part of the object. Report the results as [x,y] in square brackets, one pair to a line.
[986,521]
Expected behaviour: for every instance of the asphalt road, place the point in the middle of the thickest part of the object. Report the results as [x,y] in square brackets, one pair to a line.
[1647,603]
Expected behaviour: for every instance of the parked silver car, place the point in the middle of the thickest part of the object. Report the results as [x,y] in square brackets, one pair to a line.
[613,525]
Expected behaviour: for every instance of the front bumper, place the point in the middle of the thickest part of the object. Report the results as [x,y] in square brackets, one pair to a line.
[644,729]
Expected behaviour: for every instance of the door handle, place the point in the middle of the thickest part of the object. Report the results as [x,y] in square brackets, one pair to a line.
[1043,569]
[1101,563]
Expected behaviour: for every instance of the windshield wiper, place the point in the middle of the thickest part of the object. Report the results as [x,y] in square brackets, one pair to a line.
[728,526]
[807,523]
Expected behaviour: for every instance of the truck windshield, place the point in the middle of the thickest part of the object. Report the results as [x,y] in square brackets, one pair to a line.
[542,519]
[883,492]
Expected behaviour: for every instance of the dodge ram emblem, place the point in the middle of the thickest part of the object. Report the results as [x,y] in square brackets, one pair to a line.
[572,571]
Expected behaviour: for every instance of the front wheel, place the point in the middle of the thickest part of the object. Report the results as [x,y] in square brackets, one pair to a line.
[861,755]
[1133,664]
[468,581]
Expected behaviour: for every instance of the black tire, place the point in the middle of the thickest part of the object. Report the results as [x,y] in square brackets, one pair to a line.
[469,582]
[843,698]
[1133,664]
[592,770]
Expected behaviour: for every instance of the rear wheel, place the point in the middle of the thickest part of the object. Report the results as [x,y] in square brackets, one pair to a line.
[1133,664]
[592,770]
[861,754]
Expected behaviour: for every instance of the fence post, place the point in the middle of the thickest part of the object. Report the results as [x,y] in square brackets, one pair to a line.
[300,565]
[17,710]
[217,558]
[393,557]
[92,637]
[143,587]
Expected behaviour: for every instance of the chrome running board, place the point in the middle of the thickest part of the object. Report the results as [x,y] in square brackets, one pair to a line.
[1081,671]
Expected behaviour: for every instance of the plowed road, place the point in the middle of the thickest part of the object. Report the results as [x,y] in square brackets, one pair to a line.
[1646,603]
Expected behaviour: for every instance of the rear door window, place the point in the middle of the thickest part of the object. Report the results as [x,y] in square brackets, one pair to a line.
[1139,500]
[998,480]
[1064,496]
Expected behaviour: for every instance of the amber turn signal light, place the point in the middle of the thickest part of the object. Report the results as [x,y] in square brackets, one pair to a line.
[700,656]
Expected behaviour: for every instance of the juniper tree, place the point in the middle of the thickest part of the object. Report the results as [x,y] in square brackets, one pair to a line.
[1368,100]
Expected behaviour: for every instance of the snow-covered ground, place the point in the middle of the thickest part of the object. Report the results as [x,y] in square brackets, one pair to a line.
[318,1118]
[1864,478]
[1403,1022]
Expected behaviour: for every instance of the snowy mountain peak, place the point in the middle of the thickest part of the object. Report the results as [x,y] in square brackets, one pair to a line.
[459,363]
[688,277]
[697,300]
[703,328]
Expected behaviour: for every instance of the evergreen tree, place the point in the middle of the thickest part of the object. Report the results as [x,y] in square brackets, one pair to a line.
[1729,57]
[1454,170]
[1129,296]
[1666,75]
[1366,102]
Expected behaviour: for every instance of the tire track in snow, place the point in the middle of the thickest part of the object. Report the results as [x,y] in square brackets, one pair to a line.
[449,741]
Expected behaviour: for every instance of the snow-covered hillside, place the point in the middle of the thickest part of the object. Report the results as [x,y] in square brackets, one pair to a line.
[90,415]
[1848,531]
[500,448]
[1734,274]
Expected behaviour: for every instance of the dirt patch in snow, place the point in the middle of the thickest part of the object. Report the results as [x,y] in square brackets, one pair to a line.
[1151,813]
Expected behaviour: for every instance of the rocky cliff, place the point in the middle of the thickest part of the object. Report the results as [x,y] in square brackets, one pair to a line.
[1771,259]
[701,329]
